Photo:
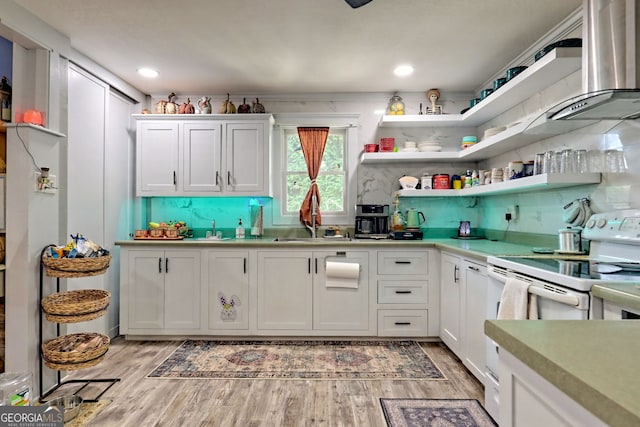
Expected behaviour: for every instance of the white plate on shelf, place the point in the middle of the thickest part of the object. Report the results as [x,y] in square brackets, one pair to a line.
[409,150]
[432,149]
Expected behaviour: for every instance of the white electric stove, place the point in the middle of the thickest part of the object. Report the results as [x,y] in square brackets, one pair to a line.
[561,283]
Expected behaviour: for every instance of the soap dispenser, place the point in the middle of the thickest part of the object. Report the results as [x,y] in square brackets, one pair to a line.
[240,230]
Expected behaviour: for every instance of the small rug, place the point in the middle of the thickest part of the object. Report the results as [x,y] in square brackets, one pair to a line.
[435,413]
[322,360]
[87,413]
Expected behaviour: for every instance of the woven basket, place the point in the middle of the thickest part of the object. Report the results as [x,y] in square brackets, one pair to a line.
[62,349]
[84,301]
[73,366]
[74,318]
[75,267]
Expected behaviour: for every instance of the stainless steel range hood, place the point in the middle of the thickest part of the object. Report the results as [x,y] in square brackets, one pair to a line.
[611,75]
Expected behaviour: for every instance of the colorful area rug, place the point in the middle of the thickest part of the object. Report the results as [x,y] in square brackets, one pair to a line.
[435,413]
[322,360]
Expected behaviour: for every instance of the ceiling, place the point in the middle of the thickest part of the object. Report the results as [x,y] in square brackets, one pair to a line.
[302,46]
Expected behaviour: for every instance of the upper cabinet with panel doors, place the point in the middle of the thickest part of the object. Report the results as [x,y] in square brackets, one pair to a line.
[203,155]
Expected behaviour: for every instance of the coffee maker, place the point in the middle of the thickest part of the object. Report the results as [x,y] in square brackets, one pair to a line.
[372,222]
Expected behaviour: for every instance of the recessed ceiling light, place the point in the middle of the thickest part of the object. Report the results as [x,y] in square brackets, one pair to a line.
[403,70]
[148,72]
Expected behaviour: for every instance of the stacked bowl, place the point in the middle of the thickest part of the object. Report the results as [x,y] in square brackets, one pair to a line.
[494,131]
[468,141]
[432,145]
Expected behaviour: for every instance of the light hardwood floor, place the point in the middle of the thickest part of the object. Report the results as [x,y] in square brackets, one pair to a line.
[139,401]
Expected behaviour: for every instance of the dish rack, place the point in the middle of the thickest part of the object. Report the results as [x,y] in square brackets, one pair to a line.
[72,351]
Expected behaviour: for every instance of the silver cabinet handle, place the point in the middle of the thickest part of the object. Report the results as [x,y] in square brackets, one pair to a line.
[166,265]
[159,265]
[217,178]
[402,323]
[175,181]
[229,178]
[456,269]
[470,267]
[403,292]
[403,262]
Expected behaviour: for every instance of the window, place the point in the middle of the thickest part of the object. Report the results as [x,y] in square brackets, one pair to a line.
[337,178]
[331,180]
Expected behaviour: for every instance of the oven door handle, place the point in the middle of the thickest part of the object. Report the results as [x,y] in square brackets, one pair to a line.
[564,299]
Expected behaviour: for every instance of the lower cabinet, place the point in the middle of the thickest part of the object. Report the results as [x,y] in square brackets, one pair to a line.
[407,299]
[297,293]
[450,301]
[463,295]
[529,400]
[264,291]
[285,291]
[160,290]
[474,297]
[227,283]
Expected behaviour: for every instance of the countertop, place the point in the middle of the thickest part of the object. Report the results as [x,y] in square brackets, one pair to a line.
[594,362]
[478,249]
[626,294]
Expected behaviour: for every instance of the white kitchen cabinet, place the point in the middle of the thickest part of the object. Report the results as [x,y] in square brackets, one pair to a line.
[474,313]
[246,155]
[294,293]
[203,155]
[337,308]
[160,290]
[157,149]
[450,299]
[463,296]
[529,400]
[228,290]
[407,300]
[285,290]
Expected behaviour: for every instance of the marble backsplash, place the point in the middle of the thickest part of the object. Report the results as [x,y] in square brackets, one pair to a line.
[539,211]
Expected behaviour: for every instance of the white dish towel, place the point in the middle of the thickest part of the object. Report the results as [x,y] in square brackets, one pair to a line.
[516,303]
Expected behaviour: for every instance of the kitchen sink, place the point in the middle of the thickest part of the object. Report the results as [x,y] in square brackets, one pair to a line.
[311,239]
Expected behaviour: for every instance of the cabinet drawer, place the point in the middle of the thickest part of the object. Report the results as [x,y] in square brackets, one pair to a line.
[402,323]
[402,291]
[403,262]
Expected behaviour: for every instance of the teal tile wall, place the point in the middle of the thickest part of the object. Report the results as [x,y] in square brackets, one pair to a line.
[198,212]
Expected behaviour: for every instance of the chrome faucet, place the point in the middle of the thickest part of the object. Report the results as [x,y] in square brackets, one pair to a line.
[213,227]
[314,215]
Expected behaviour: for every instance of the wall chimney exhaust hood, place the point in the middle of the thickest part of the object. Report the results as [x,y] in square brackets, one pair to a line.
[613,104]
[610,62]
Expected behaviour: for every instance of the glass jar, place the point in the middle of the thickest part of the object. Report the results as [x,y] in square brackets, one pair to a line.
[396,106]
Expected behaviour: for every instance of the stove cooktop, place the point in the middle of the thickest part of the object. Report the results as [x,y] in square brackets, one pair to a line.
[575,274]
[581,269]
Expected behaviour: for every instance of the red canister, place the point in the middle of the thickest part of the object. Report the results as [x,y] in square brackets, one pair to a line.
[441,182]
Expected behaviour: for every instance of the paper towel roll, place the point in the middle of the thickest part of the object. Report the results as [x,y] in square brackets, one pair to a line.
[342,275]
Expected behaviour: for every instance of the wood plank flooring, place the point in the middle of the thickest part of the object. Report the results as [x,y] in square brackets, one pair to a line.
[139,401]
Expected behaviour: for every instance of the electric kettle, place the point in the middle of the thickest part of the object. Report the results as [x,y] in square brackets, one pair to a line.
[414,218]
